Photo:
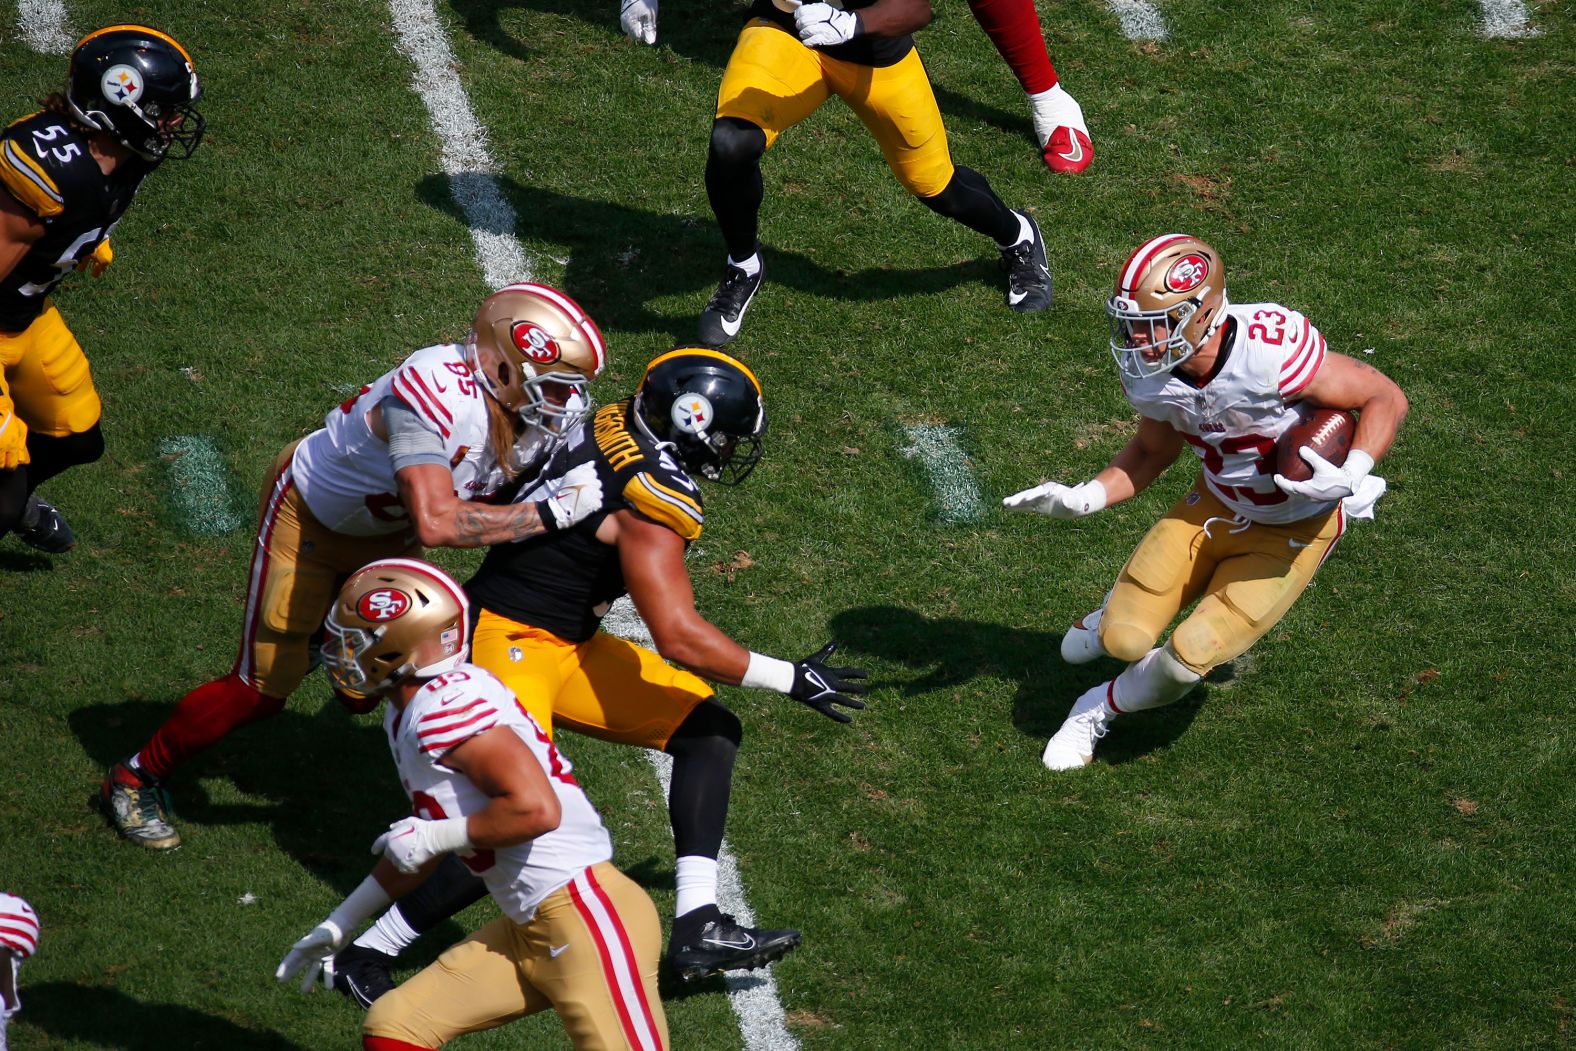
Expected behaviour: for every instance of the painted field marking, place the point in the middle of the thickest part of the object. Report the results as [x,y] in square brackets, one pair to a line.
[1506,19]
[1139,19]
[465,158]
[43,26]
[753,996]
[491,220]
[937,449]
[197,476]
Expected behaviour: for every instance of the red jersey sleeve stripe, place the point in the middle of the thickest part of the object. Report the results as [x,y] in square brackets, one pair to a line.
[1293,385]
[442,722]
[443,745]
[415,376]
[1294,359]
[412,395]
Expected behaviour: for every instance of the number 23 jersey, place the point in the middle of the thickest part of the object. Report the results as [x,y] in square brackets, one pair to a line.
[1232,417]
[450,710]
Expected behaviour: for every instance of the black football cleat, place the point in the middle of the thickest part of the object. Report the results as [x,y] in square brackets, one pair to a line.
[44,528]
[724,313]
[715,942]
[362,974]
[1028,273]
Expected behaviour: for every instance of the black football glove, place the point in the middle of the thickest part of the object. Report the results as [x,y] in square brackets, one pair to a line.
[823,687]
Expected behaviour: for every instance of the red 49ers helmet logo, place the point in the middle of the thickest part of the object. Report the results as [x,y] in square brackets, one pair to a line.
[1187,273]
[383,604]
[535,342]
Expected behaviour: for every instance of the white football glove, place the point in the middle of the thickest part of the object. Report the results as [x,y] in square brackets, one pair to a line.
[578,496]
[639,19]
[313,957]
[411,842]
[1058,500]
[1329,482]
[822,25]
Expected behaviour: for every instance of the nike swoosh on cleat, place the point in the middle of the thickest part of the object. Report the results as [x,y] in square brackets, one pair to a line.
[1014,298]
[1077,154]
[731,328]
[747,943]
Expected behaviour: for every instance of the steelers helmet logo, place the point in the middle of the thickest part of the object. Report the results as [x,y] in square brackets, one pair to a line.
[1187,273]
[692,413]
[383,604]
[535,342]
[122,84]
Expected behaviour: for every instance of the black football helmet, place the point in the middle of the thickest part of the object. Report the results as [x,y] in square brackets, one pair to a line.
[706,407]
[137,85]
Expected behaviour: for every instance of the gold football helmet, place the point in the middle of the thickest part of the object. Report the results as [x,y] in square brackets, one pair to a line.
[537,352]
[1170,298]
[393,619]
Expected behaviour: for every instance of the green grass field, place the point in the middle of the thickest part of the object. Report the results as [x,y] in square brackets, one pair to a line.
[1359,836]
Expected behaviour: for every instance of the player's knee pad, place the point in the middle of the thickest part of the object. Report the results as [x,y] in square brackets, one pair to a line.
[710,731]
[736,143]
[1124,640]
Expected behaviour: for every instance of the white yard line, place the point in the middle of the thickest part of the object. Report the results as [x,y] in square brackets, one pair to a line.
[1140,20]
[464,145]
[937,449]
[1506,18]
[43,26]
[753,995]
[470,169]
[197,476]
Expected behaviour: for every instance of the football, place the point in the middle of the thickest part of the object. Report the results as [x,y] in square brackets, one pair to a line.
[1327,431]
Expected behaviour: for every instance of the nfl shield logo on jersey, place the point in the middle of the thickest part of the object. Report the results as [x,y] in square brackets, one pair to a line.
[383,604]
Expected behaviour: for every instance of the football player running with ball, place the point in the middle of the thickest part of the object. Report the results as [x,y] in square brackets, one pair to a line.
[404,464]
[1244,542]
[484,781]
[67,175]
[696,413]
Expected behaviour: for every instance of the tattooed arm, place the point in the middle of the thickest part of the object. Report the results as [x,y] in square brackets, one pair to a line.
[442,519]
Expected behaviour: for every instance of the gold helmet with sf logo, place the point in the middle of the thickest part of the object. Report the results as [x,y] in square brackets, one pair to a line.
[394,618]
[1170,298]
[537,352]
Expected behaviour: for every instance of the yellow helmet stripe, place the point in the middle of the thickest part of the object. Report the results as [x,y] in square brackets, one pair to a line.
[705,352]
[176,44]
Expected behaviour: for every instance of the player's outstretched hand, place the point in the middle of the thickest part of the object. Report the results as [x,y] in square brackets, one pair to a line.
[639,19]
[1058,500]
[826,688]
[312,957]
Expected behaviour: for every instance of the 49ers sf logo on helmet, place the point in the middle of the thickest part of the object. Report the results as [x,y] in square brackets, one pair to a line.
[535,342]
[1187,273]
[383,604]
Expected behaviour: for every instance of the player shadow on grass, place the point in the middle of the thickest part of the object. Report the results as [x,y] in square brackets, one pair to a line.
[952,652]
[622,258]
[14,560]
[706,34]
[107,1017]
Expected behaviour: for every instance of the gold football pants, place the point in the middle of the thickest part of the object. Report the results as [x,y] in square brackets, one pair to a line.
[590,953]
[45,386]
[605,687]
[298,567]
[774,82]
[1247,574]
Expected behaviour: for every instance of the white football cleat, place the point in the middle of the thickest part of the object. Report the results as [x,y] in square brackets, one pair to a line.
[1081,644]
[1059,125]
[1073,745]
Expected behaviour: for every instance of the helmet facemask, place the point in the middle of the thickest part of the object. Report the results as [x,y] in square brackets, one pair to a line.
[1170,299]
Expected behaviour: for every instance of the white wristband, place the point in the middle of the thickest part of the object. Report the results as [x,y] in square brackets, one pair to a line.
[366,899]
[449,834]
[1357,466]
[1093,495]
[768,673]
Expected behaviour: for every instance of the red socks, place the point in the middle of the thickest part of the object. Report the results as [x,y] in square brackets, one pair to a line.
[1014,27]
[386,1043]
[204,717]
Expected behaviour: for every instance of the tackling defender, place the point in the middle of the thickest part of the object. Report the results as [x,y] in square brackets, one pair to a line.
[484,781]
[67,175]
[696,413]
[399,466]
[1244,542]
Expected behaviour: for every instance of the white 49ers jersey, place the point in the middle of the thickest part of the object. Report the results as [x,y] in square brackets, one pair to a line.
[343,469]
[444,714]
[1233,417]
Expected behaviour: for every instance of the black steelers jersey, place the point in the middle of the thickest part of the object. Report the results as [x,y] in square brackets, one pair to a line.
[564,582]
[46,166]
[863,50]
